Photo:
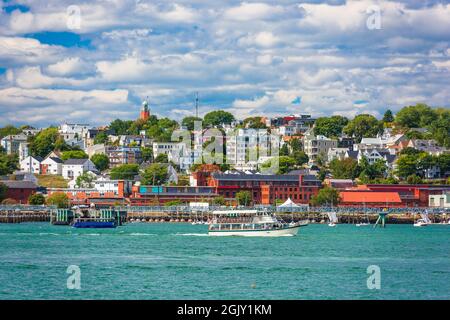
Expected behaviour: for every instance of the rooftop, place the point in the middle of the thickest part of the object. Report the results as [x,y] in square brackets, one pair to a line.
[75,161]
[370,196]
[19,184]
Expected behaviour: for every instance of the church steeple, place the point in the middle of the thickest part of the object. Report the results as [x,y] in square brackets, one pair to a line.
[145,111]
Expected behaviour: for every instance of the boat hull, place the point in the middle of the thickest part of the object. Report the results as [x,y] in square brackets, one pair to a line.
[291,231]
[94,224]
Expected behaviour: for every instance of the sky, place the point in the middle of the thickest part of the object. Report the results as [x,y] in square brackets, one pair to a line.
[95,61]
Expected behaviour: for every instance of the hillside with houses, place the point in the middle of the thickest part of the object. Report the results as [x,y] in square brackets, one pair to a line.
[402,159]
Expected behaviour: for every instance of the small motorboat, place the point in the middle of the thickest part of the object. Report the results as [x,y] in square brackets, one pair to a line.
[420,223]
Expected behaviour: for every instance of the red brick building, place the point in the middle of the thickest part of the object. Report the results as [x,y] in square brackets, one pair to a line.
[19,190]
[266,189]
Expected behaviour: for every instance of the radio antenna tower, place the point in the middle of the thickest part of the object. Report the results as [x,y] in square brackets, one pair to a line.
[196,104]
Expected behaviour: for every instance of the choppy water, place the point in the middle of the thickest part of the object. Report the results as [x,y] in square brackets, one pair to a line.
[177,261]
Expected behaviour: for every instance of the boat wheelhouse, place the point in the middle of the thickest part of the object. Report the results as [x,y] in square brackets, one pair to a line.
[250,223]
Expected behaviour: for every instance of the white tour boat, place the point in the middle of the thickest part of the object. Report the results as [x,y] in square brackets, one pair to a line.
[250,223]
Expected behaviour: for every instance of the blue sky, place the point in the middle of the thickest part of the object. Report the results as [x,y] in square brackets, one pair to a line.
[250,58]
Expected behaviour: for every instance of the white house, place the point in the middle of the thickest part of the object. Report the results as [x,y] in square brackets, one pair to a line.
[73,168]
[166,148]
[52,165]
[336,153]
[31,164]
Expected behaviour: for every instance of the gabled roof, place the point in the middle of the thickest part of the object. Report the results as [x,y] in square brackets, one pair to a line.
[76,161]
[40,159]
[57,160]
[19,184]
[352,154]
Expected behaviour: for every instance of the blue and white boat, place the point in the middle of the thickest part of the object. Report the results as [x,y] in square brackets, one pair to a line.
[98,223]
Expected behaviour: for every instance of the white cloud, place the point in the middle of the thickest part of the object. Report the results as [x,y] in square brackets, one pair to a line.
[69,67]
[251,57]
[252,11]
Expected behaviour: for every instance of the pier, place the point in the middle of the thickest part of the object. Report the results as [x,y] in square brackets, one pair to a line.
[351,215]
[18,214]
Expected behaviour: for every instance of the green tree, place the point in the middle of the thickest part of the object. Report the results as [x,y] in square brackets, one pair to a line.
[155,174]
[388,116]
[410,151]
[330,126]
[300,157]
[59,199]
[406,165]
[347,168]
[120,127]
[101,161]
[61,145]
[36,199]
[370,172]
[254,123]
[219,201]
[44,142]
[363,125]
[417,116]
[8,163]
[326,196]
[3,191]
[101,138]
[440,128]
[74,154]
[296,145]
[414,179]
[124,172]
[443,161]
[284,150]
[162,158]
[218,117]
[244,198]
[285,164]
[85,180]
[188,122]
[147,154]
[9,130]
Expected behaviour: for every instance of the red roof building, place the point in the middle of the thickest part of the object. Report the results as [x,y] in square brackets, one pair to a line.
[370,198]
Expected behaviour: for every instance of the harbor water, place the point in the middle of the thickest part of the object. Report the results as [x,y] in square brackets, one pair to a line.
[179,261]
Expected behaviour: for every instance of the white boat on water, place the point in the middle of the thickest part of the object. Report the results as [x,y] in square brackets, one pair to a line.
[250,223]
[420,223]
[424,221]
[333,218]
